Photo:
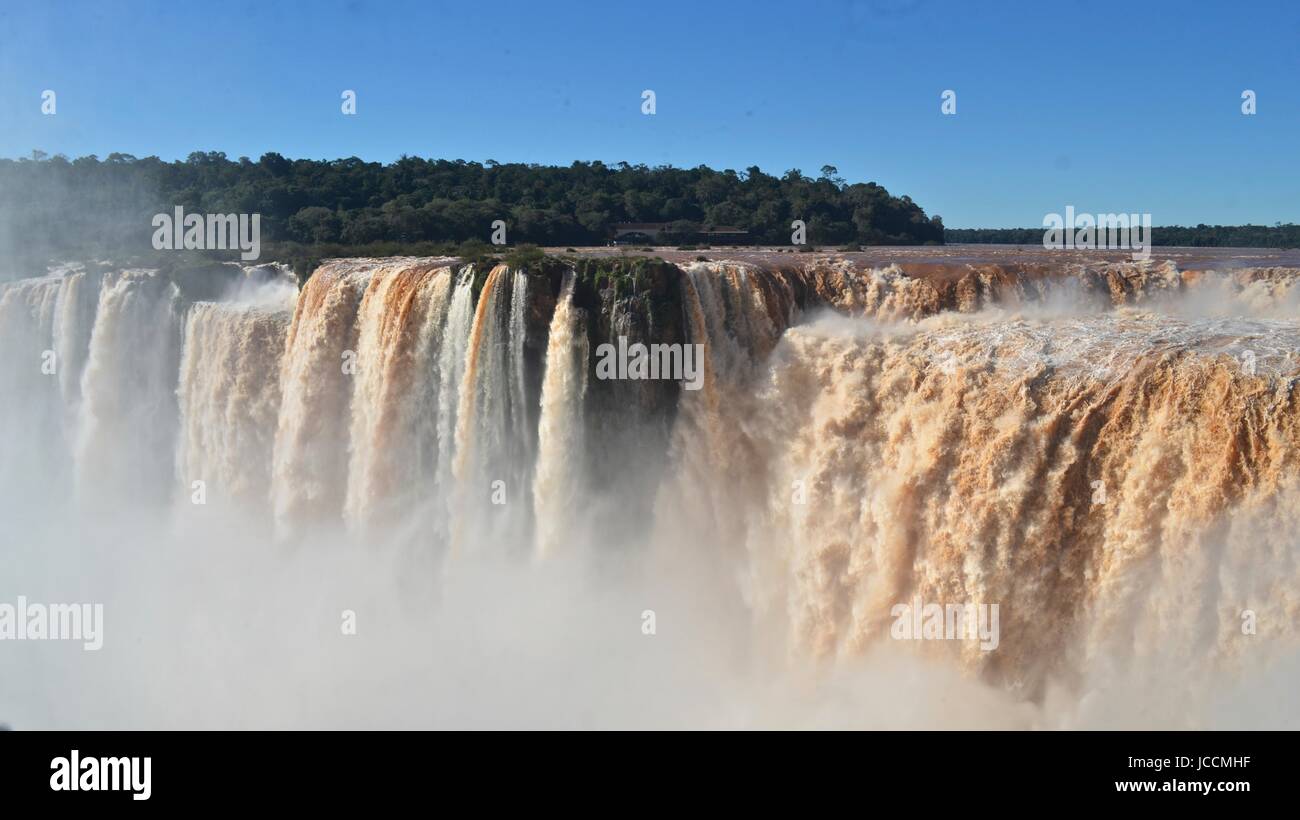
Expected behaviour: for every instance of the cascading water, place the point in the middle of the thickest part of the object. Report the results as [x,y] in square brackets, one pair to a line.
[395,445]
[519,415]
[30,378]
[74,319]
[451,376]
[558,488]
[1109,452]
[308,477]
[728,313]
[1110,479]
[230,402]
[491,466]
[128,423]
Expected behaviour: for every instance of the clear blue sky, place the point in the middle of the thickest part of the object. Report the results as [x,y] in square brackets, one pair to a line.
[1104,106]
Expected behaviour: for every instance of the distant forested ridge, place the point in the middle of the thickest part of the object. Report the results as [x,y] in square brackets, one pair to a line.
[1201,236]
[53,205]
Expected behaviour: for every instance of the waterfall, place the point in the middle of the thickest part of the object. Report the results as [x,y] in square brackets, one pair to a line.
[1076,471]
[452,356]
[74,320]
[1111,454]
[129,415]
[697,499]
[30,377]
[558,489]
[486,468]
[309,470]
[519,414]
[395,409]
[230,402]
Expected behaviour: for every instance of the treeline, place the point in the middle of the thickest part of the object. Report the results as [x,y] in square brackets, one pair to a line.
[54,205]
[1201,236]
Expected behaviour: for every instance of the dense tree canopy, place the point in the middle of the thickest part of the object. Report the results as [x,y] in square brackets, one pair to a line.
[54,207]
[105,206]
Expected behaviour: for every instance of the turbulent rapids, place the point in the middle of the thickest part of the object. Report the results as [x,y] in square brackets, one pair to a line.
[1107,451]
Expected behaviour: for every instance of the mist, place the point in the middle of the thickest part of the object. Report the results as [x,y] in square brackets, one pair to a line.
[400,498]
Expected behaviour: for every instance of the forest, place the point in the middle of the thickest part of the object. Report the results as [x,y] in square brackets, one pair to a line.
[55,207]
